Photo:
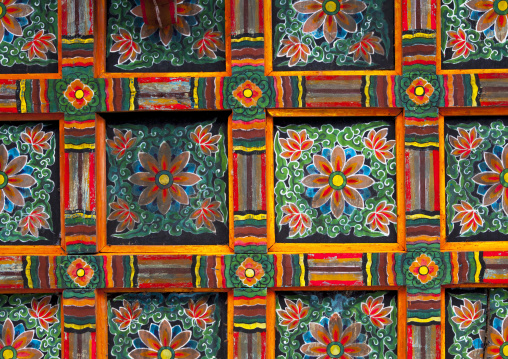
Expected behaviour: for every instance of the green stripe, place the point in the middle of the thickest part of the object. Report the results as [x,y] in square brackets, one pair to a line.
[250,320]
[251,249]
[246,44]
[422,221]
[80,140]
[251,222]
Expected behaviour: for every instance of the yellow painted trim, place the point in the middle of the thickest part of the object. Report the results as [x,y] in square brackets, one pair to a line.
[426,320]
[196,99]
[132,271]
[302,270]
[475,90]
[80,215]
[77,41]
[412,217]
[247,38]
[367,85]
[367,269]
[78,327]
[248,149]
[196,271]
[22,89]
[258,217]
[478,267]
[80,147]
[251,326]
[426,144]
[132,88]
[418,34]
[300,91]
[27,272]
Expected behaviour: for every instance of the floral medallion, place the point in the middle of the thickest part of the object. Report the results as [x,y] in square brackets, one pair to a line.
[250,272]
[248,93]
[328,174]
[175,325]
[424,268]
[80,272]
[165,180]
[420,91]
[78,94]
[329,325]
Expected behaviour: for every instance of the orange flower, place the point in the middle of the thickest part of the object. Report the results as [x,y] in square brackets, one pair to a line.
[424,268]
[248,93]
[467,313]
[250,272]
[295,50]
[377,312]
[420,91]
[210,43]
[377,142]
[44,311]
[205,140]
[207,214]
[125,45]
[121,143]
[40,45]
[293,313]
[465,142]
[126,314]
[381,217]
[123,214]
[298,222]
[201,313]
[468,217]
[367,46]
[78,94]
[458,43]
[37,138]
[80,272]
[35,220]
[295,144]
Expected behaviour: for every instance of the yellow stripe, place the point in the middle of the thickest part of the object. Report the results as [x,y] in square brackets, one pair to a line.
[22,88]
[132,271]
[478,267]
[133,93]
[249,216]
[475,90]
[198,278]
[412,217]
[248,149]
[302,269]
[75,326]
[418,34]
[300,91]
[27,272]
[196,80]
[77,41]
[79,215]
[80,147]
[367,85]
[426,144]
[246,38]
[367,269]
[427,320]
[251,326]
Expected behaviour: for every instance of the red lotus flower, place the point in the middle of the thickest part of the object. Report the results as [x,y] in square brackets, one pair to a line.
[34,221]
[298,222]
[78,94]
[295,144]
[80,272]
[367,46]
[126,314]
[467,313]
[294,49]
[376,141]
[201,313]
[248,93]
[250,272]
[16,347]
[207,214]
[381,217]
[44,312]
[424,268]
[468,217]
[125,45]
[166,346]
[40,45]
[293,313]
[123,214]
[336,342]
[458,43]
[121,143]
[205,140]
[209,44]
[465,142]
[9,13]
[37,138]
[420,91]
[377,312]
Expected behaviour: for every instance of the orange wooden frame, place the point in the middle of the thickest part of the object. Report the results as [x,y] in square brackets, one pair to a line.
[269,49]
[462,246]
[101,310]
[43,249]
[102,206]
[100,28]
[336,247]
[271,319]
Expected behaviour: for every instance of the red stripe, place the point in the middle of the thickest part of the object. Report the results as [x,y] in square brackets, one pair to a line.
[163,257]
[7,82]
[233,17]
[235,182]
[93,345]
[236,335]
[241,297]
[78,64]
[436,180]
[493,76]
[167,285]
[11,286]
[66,343]
[334,255]
[417,62]
[404,15]
[408,182]
[66,183]
[494,103]
[165,107]
[91,176]
[433,7]
[149,80]
[438,341]
[261,17]
[332,78]
[495,254]
[485,280]
[409,338]
[326,283]
[9,110]
[263,180]
[333,104]
[64,18]
[263,345]
[90,16]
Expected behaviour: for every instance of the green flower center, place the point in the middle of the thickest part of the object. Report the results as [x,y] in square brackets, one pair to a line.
[337,180]
[335,350]
[4,180]
[3,10]
[164,179]
[503,178]
[166,353]
[331,7]
[419,91]
[8,353]
[423,270]
[501,7]
[503,350]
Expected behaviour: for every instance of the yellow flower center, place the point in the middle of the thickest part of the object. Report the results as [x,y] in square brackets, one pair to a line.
[423,270]
[164,179]
[166,354]
[505,351]
[80,272]
[8,354]
[335,349]
[2,180]
[502,6]
[247,93]
[331,6]
[249,273]
[338,181]
[419,91]
[1,11]
[79,94]
[505,177]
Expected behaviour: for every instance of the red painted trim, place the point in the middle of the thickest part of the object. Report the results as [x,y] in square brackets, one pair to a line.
[437,192]
[235,182]
[263,181]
